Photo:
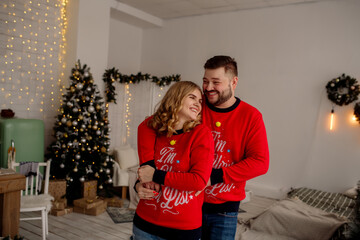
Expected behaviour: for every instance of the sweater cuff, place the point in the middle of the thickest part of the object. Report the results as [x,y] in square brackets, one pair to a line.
[216,176]
[137,181]
[151,163]
[159,176]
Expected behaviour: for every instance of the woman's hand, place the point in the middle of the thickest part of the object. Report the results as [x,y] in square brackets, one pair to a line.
[146,173]
[145,193]
[152,186]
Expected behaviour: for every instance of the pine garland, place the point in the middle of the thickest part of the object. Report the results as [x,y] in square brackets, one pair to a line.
[113,75]
[343,90]
[357,111]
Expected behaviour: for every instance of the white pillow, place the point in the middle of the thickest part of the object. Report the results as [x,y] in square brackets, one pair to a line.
[126,157]
[351,193]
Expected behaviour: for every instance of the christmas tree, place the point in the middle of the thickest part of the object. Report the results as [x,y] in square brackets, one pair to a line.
[80,150]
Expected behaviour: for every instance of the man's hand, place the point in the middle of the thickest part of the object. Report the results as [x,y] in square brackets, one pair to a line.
[146,173]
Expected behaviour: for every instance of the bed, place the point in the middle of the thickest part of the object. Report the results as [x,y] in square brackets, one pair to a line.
[306,214]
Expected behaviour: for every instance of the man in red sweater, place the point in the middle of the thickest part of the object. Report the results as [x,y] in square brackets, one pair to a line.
[241,148]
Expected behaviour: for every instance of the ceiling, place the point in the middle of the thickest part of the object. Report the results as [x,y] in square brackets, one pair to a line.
[169,9]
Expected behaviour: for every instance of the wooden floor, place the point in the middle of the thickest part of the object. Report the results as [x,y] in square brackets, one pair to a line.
[77,226]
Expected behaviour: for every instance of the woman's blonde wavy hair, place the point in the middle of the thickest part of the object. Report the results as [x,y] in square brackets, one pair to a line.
[166,116]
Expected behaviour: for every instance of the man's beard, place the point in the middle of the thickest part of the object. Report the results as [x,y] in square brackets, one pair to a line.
[223,97]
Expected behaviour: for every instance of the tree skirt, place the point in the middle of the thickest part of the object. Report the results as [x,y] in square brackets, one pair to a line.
[121,215]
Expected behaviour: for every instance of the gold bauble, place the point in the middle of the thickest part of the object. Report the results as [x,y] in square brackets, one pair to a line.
[68,123]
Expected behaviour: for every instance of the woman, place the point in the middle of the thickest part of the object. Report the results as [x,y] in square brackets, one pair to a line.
[181,167]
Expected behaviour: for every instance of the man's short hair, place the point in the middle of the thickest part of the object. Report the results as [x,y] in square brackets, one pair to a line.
[227,62]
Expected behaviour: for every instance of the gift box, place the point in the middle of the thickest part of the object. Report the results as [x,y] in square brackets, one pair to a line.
[59,203]
[87,203]
[61,212]
[57,188]
[92,211]
[114,202]
[89,189]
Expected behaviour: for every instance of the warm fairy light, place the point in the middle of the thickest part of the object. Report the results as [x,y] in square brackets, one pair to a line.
[332,120]
[24,22]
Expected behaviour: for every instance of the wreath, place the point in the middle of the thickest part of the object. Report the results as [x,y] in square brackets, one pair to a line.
[112,75]
[343,90]
[357,111]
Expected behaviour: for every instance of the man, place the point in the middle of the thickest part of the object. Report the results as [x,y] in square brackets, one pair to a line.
[241,148]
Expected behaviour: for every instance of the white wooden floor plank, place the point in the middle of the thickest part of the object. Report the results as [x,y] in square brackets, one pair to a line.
[77,226]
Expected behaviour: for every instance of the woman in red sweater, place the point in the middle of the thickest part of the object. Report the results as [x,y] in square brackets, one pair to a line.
[179,170]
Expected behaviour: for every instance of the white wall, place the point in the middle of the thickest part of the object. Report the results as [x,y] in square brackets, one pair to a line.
[93,37]
[286,55]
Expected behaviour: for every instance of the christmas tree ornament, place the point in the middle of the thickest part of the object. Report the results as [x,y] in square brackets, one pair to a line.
[91,109]
[75,110]
[83,140]
[107,171]
[70,104]
[86,74]
[63,156]
[77,156]
[82,179]
[101,187]
[75,169]
[64,120]
[94,127]
[79,86]
[98,132]
[68,123]
[110,180]
[75,123]
[62,165]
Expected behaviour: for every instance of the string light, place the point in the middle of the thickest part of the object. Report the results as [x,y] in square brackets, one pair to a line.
[33,54]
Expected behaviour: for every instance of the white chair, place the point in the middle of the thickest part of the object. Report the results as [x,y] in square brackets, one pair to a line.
[32,201]
[126,162]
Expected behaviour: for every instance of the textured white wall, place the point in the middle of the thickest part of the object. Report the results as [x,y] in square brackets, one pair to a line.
[286,55]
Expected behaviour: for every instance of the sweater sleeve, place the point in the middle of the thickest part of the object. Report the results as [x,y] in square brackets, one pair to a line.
[201,161]
[146,142]
[256,156]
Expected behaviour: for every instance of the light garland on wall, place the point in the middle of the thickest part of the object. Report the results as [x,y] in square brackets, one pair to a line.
[30,55]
